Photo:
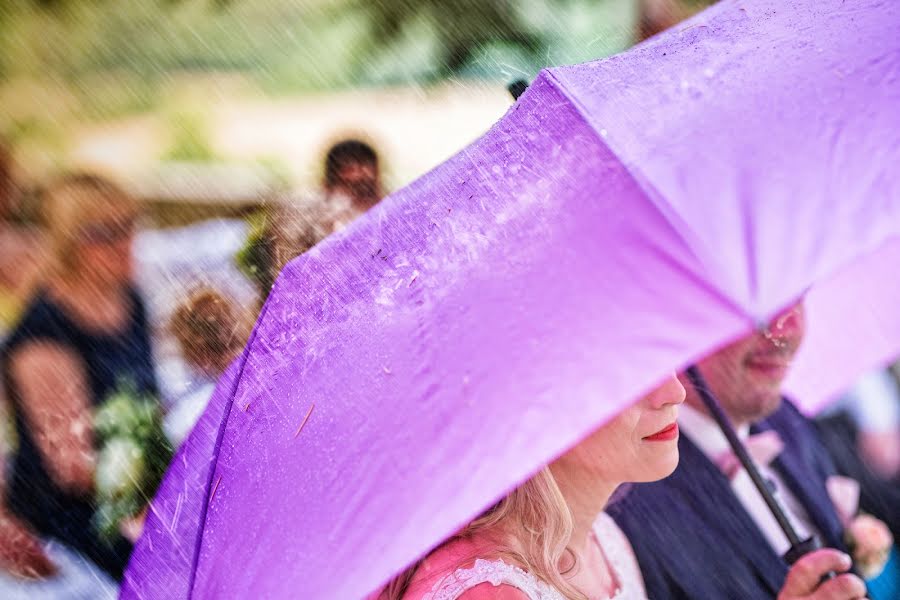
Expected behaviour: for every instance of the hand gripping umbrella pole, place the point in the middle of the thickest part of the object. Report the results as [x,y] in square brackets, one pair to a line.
[799,547]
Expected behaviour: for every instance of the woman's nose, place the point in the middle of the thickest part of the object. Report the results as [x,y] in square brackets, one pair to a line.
[667,393]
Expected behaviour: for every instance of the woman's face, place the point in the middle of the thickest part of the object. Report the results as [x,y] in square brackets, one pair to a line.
[104,248]
[641,443]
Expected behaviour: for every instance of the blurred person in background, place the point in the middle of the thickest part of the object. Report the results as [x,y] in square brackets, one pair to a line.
[352,173]
[20,247]
[288,226]
[211,331]
[35,570]
[22,556]
[862,434]
[291,224]
[658,15]
[82,335]
[172,263]
[868,420]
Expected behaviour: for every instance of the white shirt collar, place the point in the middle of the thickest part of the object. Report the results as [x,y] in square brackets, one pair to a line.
[705,433]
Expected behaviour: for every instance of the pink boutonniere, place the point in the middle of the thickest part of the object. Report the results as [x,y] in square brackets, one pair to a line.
[868,538]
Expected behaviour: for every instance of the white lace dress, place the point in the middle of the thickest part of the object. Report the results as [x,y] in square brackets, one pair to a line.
[496,572]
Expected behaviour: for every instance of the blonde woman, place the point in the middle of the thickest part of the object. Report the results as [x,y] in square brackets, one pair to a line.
[550,540]
[83,333]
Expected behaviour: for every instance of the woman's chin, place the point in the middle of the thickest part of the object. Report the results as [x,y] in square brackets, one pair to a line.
[660,468]
[670,464]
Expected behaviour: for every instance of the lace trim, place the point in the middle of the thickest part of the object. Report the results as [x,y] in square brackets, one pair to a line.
[495,572]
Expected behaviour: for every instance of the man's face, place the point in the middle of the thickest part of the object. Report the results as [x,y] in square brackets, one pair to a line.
[359,182]
[746,376]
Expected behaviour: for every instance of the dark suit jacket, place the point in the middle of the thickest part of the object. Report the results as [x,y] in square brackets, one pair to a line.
[694,539]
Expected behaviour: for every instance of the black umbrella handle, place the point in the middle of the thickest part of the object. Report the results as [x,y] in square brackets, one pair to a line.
[741,453]
[799,547]
[798,551]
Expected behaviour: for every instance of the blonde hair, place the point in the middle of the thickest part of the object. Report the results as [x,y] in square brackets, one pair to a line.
[533,524]
[72,202]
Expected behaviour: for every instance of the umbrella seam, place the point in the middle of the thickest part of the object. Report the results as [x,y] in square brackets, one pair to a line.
[636,174]
[650,192]
[219,437]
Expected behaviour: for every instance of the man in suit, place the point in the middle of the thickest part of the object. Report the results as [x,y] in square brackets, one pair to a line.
[705,532]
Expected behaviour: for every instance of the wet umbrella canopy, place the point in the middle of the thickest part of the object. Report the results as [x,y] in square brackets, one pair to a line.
[623,218]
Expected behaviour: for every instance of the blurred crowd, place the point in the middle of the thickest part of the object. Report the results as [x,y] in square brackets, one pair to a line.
[95,304]
[99,310]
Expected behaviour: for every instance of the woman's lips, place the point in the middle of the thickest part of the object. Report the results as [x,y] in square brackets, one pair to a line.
[664,435]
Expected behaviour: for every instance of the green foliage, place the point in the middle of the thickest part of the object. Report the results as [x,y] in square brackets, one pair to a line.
[256,258]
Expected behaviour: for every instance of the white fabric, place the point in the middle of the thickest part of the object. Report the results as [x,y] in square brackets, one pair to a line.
[495,572]
[186,411]
[168,262]
[703,431]
[874,402]
[612,541]
[621,559]
[77,579]
[763,448]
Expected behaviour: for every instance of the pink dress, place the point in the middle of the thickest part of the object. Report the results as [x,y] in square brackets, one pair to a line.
[496,572]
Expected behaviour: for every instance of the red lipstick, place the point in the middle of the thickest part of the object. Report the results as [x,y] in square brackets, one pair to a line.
[664,435]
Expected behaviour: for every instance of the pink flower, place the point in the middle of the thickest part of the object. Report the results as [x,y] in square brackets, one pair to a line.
[870,543]
[844,493]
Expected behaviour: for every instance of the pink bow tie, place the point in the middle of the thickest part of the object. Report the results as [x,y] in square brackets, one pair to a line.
[763,449]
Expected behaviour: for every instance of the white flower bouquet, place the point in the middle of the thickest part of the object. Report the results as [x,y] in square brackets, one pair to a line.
[134,454]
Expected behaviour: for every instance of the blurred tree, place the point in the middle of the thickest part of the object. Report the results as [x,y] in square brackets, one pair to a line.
[462,27]
[64,62]
[290,45]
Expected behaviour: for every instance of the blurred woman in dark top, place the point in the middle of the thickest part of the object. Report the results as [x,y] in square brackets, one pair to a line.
[83,333]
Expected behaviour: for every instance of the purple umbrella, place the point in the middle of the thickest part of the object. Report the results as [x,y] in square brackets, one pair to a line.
[624,217]
[853,325]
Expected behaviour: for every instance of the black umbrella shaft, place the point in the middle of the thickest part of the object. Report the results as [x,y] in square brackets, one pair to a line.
[741,452]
